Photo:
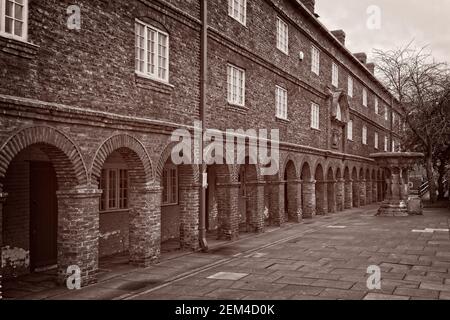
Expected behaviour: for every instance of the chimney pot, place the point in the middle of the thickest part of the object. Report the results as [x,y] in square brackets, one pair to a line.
[309,4]
[362,57]
[340,35]
[371,67]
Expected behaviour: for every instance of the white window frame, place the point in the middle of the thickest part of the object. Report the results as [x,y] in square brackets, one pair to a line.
[350,87]
[106,189]
[3,33]
[386,113]
[234,91]
[236,13]
[393,145]
[167,184]
[386,142]
[281,103]
[365,97]
[315,116]
[377,105]
[364,135]
[350,130]
[335,75]
[376,140]
[146,73]
[282,46]
[315,60]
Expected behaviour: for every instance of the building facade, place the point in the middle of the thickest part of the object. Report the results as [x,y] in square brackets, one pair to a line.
[88,107]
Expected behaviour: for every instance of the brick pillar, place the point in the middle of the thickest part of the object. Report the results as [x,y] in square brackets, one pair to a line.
[78,233]
[375,191]
[294,195]
[340,195]
[368,192]
[356,194]
[348,191]
[145,225]
[276,203]
[362,193]
[3,197]
[332,203]
[255,191]
[227,197]
[309,199]
[322,198]
[189,215]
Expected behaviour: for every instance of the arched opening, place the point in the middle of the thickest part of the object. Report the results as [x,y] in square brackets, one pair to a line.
[374,186]
[348,189]
[380,186]
[248,198]
[291,193]
[321,192]
[362,188]
[340,191]
[368,187]
[34,225]
[308,192]
[355,188]
[219,213]
[331,191]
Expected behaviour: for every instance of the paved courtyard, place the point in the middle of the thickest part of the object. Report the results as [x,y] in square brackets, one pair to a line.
[323,258]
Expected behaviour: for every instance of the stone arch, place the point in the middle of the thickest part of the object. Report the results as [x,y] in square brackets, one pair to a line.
[65,155]
[138,158]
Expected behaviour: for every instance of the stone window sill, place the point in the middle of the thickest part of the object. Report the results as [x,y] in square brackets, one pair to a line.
[237,108]
[283,121]
[18,48]
[148,83]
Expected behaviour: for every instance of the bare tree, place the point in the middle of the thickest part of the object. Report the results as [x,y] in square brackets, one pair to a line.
[422,87]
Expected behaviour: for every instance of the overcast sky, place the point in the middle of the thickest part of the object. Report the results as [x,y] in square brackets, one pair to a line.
[428,22]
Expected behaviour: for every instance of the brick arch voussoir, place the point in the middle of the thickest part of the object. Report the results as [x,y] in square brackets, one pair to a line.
[140,160]
[287,159]
[63,151]
[165,156]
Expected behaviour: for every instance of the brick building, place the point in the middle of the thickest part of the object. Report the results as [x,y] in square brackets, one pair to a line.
[87,116]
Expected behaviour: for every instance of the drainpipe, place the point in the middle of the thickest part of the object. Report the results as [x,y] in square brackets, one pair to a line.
[203,84]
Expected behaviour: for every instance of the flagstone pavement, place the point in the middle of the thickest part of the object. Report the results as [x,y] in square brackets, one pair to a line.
[323,258]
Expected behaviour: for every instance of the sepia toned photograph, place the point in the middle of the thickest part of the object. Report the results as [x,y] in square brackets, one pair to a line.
[230,157]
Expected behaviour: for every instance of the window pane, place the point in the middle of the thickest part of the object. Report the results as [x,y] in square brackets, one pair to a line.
[112,189]
[9,25]
[18,28]
[9,8]
[18,12]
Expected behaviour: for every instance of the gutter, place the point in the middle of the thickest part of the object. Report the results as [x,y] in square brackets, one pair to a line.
[203,86]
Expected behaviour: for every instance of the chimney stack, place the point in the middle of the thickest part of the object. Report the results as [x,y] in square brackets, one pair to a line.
[310,5]
[340,35]
[371,67]
[361,56]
